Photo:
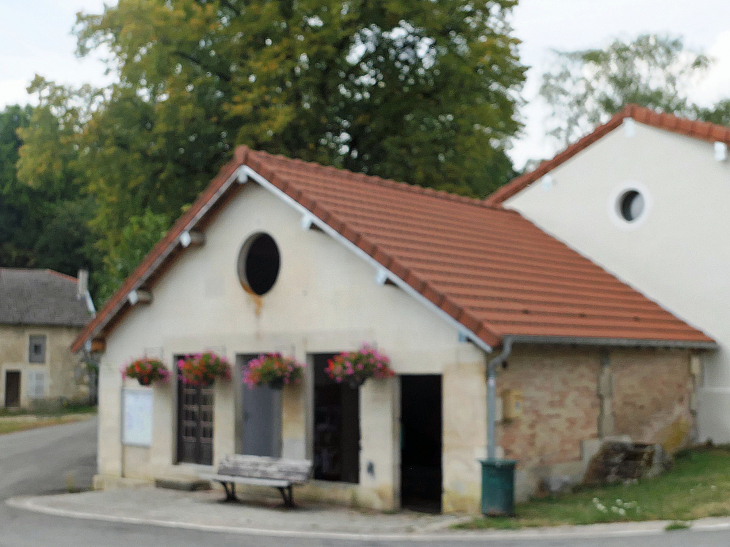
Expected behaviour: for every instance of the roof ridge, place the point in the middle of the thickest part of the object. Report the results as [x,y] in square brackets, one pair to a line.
[380,181]
[40,270]
[660,120]
[62,275]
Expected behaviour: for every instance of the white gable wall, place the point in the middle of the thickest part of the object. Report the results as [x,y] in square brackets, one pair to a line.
[325,300]
[677,254]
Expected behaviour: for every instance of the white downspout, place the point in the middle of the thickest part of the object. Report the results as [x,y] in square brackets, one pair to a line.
[492,396]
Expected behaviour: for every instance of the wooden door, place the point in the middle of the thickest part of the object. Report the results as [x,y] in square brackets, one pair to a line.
[12,388]
[194,424]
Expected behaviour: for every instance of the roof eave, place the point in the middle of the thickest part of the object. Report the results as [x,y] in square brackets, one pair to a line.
[615,342]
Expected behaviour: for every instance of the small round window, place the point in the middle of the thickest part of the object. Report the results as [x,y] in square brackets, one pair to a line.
[259,263]
[631,205]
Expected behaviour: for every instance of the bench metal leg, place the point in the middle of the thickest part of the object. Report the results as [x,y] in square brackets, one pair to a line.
[230,488]
[286,494]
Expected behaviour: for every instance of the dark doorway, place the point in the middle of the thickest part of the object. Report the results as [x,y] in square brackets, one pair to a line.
[194,423]
[12,388]
[421,443]
[336,427]
[261,417]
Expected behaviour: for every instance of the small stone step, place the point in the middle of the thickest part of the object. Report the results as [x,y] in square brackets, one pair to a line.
[184,484]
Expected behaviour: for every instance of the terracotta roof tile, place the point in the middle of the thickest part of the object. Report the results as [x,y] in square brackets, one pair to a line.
[488,268]
[690,128]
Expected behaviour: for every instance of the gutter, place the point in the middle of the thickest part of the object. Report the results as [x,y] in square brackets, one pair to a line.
[492,395]
[614,342]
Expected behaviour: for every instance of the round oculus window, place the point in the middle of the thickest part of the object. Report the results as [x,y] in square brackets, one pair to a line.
[631,205]
[258,264]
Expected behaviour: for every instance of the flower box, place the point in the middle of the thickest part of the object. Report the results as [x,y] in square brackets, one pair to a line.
[146,370]
[355,367]
[272,370]
[202,369]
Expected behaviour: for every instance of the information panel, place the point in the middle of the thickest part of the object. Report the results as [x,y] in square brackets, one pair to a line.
[137,417]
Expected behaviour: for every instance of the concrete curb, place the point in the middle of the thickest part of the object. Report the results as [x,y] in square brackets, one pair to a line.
[35,504]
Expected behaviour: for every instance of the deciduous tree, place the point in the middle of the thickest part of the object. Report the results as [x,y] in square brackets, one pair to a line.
[584,88]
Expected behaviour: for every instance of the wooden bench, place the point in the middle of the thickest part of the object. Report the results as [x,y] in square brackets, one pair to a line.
[263,471]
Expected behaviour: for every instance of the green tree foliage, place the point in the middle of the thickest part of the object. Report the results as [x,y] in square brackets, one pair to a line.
[423,92]
[137,237]
[719,113]
[586,87]
[41,226]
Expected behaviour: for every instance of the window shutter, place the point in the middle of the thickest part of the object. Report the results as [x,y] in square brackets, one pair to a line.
[36,384]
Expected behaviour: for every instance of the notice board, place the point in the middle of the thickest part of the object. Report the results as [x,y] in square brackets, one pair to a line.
[137,417]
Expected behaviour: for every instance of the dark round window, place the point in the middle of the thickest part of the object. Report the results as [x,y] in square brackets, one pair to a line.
[259,263]
[631,205]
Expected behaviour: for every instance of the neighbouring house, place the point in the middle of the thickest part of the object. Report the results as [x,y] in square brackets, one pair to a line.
[647,196]
[283,255]
[41,313]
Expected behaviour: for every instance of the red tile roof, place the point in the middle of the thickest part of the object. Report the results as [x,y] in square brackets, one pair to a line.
[490,269]
[690,128]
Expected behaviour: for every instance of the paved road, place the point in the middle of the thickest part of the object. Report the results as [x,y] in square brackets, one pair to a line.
[38,461]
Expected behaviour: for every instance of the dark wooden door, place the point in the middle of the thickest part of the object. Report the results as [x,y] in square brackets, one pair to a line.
[194,424]
[12,388]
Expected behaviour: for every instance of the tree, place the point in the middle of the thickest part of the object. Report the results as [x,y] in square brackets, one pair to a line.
[719,113]
[586,87]
[423,92]
[40,227]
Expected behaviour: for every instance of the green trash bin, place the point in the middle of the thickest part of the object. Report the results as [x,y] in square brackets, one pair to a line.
[498,487]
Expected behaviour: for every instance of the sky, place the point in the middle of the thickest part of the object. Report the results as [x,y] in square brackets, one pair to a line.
[541,25]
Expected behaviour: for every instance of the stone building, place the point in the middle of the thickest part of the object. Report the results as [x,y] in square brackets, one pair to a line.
[282,255]
[41,313]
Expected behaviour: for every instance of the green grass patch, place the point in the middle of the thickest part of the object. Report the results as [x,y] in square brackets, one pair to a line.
[698,486]
[50,409]
[677,525]
[13,426]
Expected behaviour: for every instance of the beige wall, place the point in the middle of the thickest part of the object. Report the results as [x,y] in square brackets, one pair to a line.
[325,300]
[676,254]
[63,376]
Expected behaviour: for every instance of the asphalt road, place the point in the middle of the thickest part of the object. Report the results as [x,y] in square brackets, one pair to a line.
[39,461]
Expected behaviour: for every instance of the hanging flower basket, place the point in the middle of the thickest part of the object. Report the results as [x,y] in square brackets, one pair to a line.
[146,370]
[272,370]
[202,369]
[354,367]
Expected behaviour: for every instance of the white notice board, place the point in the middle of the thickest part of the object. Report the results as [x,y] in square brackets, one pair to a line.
[137,417]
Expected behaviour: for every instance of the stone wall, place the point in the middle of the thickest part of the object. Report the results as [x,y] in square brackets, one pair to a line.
[560,404]
[652,392]
[573,397]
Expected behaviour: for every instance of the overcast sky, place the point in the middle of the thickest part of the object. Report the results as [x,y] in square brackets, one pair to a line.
[542,25]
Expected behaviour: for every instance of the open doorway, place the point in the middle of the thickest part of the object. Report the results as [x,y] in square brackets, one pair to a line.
[421,442]
[336,426]
[12,388]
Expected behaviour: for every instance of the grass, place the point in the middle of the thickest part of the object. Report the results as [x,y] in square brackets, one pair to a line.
[49,410]
[698,486]
[7,426]
[677,525]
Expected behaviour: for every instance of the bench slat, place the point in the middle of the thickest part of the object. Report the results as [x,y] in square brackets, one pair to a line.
[246,480]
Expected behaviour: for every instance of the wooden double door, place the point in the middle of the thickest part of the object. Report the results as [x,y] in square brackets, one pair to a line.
[195,412]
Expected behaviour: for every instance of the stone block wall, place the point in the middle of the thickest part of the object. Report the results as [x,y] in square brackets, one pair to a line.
[560,404]
[652,393]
